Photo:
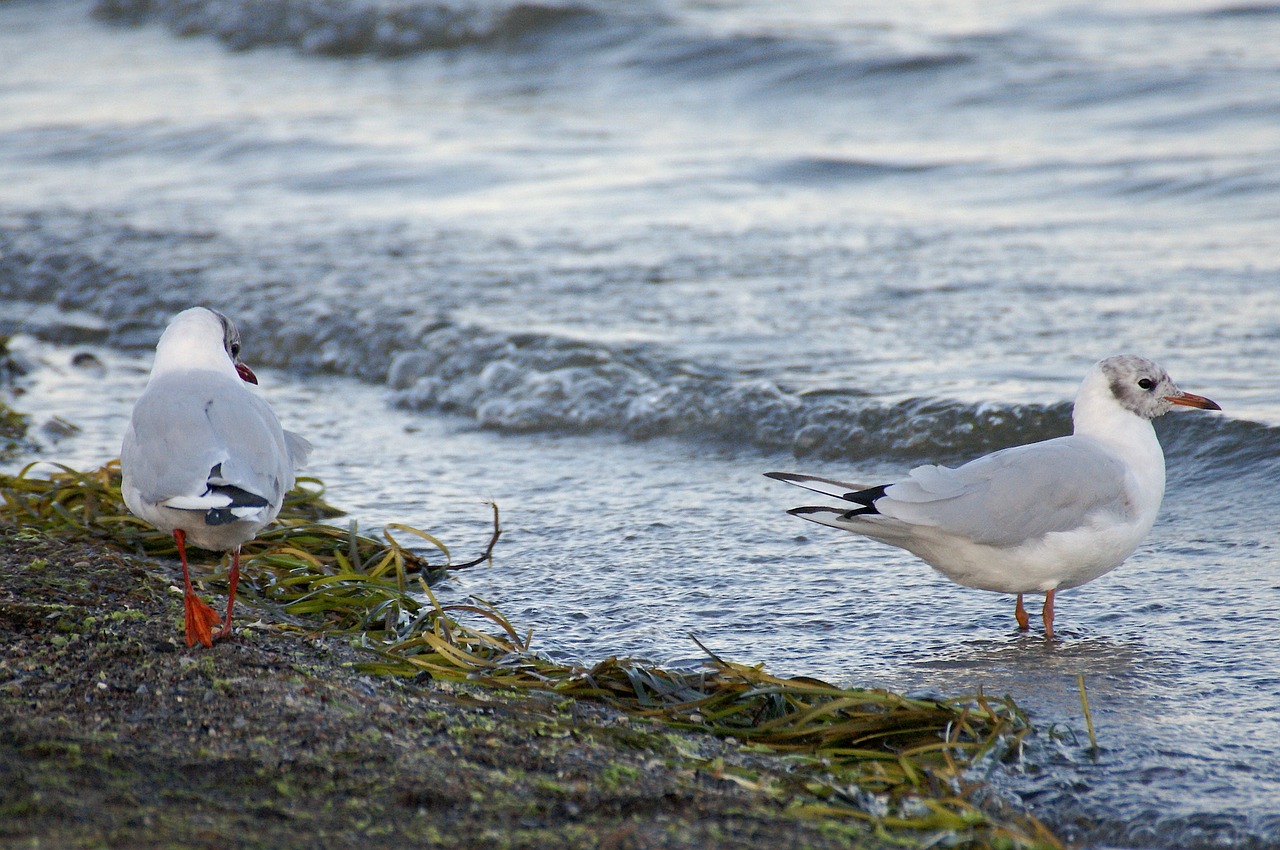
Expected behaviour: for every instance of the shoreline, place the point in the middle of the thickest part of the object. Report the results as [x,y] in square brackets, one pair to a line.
[115,733]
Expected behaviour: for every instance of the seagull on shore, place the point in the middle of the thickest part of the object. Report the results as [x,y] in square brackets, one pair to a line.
[204,458]
[1036,518]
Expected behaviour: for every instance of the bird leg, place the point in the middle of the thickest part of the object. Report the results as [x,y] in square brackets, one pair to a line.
[1024,622]
[200,618]
[1047,614]
[233,580]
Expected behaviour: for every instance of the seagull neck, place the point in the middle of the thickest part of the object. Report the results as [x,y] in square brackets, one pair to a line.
[1110,423]
[187,354]
[1131,438]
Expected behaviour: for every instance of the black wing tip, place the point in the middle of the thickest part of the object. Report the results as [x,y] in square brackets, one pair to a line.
[800,478]
[805,510]
[867,498]
[240,497]
[219,516]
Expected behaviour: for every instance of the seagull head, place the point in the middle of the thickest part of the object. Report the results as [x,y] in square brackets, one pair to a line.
[231,344]
[1144,389]
[201,337]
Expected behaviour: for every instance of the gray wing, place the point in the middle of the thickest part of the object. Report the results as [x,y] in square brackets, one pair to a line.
[184,430]
[1014,495]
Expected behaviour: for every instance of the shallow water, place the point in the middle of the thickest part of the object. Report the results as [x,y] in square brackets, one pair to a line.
[608,264]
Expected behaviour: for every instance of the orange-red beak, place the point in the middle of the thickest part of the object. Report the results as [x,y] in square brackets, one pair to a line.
[246,375]
[1193,400]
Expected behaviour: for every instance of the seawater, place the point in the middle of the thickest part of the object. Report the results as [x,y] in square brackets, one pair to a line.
[606,265]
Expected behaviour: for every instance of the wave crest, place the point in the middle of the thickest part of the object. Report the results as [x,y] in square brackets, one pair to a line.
[344,28]
[525,383]
[529,381]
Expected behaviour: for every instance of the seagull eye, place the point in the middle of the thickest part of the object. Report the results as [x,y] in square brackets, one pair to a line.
[235,351]
[1146,383]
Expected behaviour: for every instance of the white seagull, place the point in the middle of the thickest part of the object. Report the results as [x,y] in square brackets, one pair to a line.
[1037,518]
[204,457]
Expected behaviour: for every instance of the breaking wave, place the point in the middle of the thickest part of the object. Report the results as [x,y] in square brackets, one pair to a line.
[532,382]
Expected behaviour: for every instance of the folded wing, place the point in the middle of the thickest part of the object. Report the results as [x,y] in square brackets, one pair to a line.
[1003,499]
[210,445]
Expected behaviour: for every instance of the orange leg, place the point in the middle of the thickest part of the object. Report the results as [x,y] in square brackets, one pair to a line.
[234,579]
[200,618]
[1024,622]
[1047,614]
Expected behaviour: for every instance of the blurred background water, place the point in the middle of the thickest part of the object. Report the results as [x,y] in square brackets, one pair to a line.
[607,263]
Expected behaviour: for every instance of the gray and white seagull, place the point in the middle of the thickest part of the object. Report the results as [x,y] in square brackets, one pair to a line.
[1036,518]
[204,457]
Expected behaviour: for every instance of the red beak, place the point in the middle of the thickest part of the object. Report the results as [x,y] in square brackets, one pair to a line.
[246,374]
[1193,400]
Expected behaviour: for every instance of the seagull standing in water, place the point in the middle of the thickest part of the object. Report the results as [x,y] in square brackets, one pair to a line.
[1037,518]
[204,457]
